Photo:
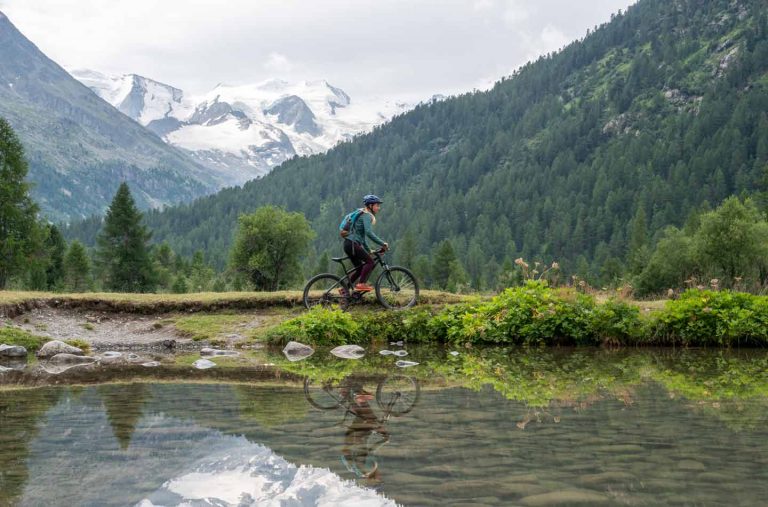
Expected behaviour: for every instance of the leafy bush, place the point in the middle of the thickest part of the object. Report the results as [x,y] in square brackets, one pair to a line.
[530,315]
[703,317]
[319,326]
[616,322]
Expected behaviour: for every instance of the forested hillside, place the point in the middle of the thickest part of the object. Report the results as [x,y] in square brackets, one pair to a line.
[581,157]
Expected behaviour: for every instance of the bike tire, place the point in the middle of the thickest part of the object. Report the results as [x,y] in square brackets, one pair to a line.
[398,394]
[397,288]
[324,396]
[322,290]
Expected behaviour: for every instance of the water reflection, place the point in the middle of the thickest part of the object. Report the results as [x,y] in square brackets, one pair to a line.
[366,426]
[490,427]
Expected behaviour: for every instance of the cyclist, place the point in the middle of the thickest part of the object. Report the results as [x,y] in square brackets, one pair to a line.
[356,246]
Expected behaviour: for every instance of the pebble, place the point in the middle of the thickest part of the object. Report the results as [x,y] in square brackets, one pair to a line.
[349,351]
[405,364]
[203,364]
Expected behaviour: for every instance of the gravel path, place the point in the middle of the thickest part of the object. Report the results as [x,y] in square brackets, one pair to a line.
[103,330]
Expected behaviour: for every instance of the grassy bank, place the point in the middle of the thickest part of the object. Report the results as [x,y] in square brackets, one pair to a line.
[14,303]
[538,315]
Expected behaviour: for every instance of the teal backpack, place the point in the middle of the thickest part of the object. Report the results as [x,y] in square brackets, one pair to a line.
[346,225]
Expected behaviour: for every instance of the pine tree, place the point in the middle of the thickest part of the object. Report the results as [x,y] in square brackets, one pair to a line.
[77,268]
[201,273]
[122,250]
[441,268]
[57,248]
[17,210]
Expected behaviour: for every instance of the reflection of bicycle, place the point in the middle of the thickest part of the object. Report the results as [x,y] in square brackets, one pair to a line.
[396,287]
[367,431]
[395,394]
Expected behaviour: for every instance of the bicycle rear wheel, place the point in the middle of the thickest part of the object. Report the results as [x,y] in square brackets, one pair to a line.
[323,289]
[397,288]
[398,394]
[322,395]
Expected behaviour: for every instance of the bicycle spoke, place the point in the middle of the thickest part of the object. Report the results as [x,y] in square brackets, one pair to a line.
[397,288]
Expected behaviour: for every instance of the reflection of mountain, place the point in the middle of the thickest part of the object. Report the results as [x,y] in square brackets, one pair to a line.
[124,405]
[19,419]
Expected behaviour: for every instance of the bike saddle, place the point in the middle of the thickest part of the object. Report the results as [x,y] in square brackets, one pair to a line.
[339,259]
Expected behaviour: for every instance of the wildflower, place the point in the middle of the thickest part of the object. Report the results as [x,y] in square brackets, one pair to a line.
[555,265]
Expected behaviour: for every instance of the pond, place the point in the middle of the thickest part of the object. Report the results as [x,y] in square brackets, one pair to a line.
[480,427]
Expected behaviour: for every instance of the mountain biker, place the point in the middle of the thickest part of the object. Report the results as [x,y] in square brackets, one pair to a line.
[356,246]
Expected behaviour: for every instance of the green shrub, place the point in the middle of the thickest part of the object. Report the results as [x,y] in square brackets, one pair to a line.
[530,315]
[617,323]
[713,318]
[319,326]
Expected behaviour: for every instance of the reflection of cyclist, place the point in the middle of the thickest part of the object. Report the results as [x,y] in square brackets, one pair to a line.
[356,246]
[358,455]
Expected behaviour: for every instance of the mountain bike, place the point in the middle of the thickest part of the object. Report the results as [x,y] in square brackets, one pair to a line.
[396,287]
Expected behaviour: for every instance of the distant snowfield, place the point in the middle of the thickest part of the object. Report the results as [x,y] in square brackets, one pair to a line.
[242,132]
[254,475]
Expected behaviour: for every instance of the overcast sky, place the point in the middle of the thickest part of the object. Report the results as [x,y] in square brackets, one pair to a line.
[387,48]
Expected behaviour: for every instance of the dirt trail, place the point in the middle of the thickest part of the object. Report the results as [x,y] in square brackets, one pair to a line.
[100,329]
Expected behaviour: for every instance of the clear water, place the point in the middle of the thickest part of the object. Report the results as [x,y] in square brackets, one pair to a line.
[490,427]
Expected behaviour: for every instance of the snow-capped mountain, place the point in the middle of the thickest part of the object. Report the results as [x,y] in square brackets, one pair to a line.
[242,132]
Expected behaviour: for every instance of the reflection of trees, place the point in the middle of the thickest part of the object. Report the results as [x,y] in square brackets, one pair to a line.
[551,381]
[270,407]
[20,413]
[124,404]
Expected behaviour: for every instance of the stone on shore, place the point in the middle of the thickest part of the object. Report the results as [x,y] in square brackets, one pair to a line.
[55,347]
[12,351]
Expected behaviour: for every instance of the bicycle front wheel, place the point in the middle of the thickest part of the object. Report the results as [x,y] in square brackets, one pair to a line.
[322,395]
[398,394]
[323,290]
[397,288]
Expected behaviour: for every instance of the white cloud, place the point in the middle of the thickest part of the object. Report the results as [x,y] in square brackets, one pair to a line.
[277,64]
[515,13]
[552,39]
[367,47]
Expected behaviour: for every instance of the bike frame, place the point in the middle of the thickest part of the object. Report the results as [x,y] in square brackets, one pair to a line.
[378,261]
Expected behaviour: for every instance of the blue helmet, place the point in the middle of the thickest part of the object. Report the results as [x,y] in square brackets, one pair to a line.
[371,199]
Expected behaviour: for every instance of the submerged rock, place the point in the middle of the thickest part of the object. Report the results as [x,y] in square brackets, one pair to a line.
[55,347]
[348,351]
[207,351]
[12,351]
[203,364]
[64,358]
[295,351]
